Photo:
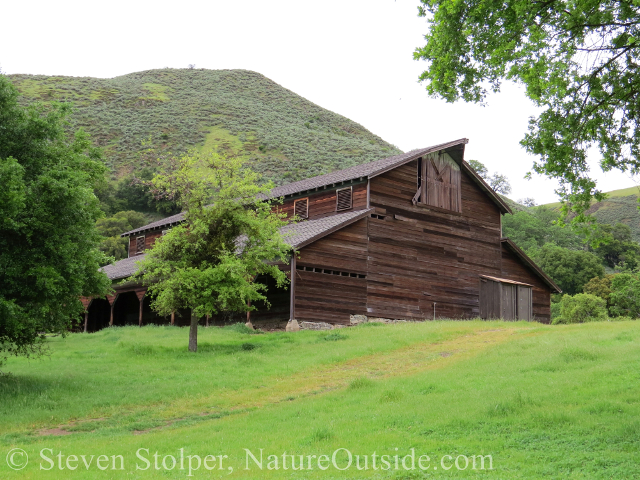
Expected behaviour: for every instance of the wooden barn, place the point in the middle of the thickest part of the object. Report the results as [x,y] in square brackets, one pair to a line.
[414,236]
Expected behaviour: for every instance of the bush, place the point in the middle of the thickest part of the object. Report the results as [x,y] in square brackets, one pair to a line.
[625,295]
[581,308]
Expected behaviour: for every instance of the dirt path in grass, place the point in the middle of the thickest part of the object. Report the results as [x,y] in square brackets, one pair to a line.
[405,361]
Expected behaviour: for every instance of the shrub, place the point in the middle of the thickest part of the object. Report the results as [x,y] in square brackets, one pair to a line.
[625,295]
[581,308]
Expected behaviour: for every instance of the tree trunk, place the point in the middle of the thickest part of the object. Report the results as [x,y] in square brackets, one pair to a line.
[193,334]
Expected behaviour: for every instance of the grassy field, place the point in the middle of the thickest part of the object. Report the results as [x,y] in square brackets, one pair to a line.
[542,401]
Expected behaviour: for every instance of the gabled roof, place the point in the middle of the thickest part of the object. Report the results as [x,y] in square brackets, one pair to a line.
[122,268]
[297,235]
[303,233]
[165,222]
[367,170]
[530,263]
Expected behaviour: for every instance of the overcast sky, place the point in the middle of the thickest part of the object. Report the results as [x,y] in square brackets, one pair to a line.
[350,56]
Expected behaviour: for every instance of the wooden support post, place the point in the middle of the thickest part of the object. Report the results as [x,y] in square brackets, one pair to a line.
[292,325]
[86,303]
[112,303]
[173,318]
[140,296]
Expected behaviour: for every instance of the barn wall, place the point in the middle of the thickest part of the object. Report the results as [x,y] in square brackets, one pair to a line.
[323,204]
[514,269]
[328,297]
[149,239]
[420,255]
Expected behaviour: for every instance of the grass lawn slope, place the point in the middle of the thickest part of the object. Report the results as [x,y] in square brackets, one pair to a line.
[236,112]
[541,401]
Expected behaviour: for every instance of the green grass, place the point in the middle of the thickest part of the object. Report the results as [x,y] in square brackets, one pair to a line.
[236,112]
[543,401]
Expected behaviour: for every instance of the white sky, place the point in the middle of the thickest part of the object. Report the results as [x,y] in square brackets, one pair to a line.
[353,57]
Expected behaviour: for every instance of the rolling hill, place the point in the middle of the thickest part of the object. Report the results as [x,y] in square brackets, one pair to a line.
[238,112]
[621,206]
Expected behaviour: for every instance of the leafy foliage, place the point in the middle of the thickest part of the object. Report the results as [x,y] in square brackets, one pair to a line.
[233,112]
[570,269]
[581,308]
[497,181]
[613,244]
[229,237]
[578,61]
[48,239]
[535,227]
[625,295]
[600,287]
[111,227]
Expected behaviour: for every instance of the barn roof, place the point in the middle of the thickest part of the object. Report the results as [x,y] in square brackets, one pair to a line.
[122,268]
[530,263]
[366,170]
[297,235]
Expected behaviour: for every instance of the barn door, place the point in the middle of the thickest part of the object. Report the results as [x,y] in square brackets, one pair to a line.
[524,303]
[509,301]
[443,182]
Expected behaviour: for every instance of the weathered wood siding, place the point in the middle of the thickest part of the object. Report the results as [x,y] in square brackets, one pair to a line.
[329,297]
[149,239]
[323,203]
[419,255]
[514,269]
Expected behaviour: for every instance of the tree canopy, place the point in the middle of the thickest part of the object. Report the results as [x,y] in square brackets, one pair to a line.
[578,61]
[230,239]
[48,239]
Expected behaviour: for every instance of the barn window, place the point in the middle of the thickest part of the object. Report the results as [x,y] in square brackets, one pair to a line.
[344,199]
[438,181]
[506,299]
[301,208]
[139,245]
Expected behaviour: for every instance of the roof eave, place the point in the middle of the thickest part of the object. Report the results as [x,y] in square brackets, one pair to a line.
[333,229]
[530,263]
[502,205]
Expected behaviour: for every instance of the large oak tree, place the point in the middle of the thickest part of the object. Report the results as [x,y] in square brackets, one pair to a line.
[48,211]
[579,60]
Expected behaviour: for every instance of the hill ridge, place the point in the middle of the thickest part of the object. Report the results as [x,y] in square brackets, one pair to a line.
[238,112]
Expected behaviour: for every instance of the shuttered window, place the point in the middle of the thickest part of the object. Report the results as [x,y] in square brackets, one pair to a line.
[301,208]
[139,245]
[439,182]
[344,199]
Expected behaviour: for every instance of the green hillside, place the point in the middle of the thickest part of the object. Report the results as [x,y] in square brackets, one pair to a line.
[621,206]
[237,112]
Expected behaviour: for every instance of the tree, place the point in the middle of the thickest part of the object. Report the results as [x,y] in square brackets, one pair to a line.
[497,181]
[578,60]
[614,245]
[229,240]
[625,295]
[111,227]
[527,202]
[48,239]
[536,227]
[570,269]
[500,183]
[479,167]
[600,287]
